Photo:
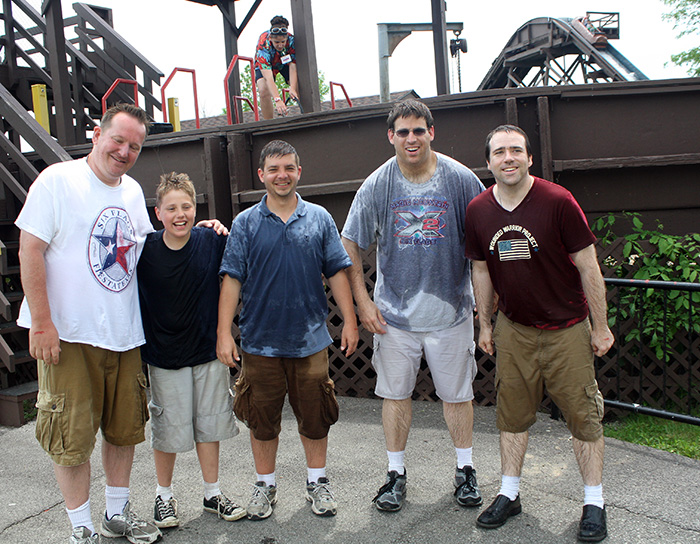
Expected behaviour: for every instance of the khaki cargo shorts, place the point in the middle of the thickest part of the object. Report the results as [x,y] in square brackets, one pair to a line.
[89,389]
[529,359]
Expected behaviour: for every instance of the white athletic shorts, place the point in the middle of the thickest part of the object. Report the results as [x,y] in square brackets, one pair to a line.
[450,357]
[191,404]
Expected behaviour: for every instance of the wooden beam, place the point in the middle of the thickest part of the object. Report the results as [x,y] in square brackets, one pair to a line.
[545,137]
[610,163]
[307,69]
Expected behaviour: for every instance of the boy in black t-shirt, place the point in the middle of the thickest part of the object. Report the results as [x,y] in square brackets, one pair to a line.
[190,406]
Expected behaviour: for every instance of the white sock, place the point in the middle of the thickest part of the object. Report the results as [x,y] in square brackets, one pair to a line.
[593,494]
[116,499]
[510,486]
[464,457]
[396,461]
[313,474]
[165,493]
[211,489]
[80,517]
[267,479]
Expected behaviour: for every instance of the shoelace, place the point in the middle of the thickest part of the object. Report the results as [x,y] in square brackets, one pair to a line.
[131,520]
[324,492]
[389,486]
[259,492]
[224,504]
[468,483]
[165,509]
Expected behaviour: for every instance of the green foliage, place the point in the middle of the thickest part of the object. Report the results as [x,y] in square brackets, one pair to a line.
[685,14]
[672,436]
[247,86]
[654,255]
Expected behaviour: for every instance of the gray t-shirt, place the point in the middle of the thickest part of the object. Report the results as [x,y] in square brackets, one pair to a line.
[423,278]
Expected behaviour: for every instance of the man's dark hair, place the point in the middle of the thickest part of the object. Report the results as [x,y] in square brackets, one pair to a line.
[506,128]
[277,148]
[278,20]
[134,111]
[409,108]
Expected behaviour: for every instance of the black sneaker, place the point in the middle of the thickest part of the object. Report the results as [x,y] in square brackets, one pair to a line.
[224,508]
[392,494]
[466,488]
[165,513]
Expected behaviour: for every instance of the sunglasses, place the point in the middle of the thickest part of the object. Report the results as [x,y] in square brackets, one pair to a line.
[404,132]
[279,30]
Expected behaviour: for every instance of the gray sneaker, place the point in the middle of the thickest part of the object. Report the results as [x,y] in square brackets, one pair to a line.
[126,524]
[260,505]
[224,508]
[391,495]
[322,501]
[82,535]
[165,513]
[466,488]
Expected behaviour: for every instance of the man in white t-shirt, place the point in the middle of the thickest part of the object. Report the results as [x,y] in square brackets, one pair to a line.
[82,229]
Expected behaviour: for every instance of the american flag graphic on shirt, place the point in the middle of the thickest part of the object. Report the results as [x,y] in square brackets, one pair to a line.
[511,250]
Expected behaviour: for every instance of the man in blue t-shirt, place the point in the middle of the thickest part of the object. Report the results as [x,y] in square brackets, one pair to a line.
[275,257]
[413,207]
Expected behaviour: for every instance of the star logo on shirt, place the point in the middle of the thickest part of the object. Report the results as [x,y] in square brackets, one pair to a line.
[112,249]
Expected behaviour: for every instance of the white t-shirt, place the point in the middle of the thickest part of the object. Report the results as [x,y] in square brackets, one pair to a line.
[95,234]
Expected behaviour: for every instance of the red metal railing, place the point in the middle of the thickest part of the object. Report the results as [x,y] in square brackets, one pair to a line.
[114,86]
[342,87]
[231,65]
[194,91]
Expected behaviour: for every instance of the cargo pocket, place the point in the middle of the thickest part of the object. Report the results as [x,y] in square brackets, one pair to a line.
[241,401]
[143,397]
[50,422]
[596,398]
[330,406]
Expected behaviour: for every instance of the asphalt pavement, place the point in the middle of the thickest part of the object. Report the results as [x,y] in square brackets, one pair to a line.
[651,495]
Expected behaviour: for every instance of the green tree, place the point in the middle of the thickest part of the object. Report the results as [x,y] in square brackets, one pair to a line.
[247,86]
[685,15]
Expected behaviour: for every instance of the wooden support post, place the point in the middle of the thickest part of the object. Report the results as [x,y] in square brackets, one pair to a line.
[174,113]
[60,76]
[41,106]
[442,73]
[545,137]
[307,70]
[512,111]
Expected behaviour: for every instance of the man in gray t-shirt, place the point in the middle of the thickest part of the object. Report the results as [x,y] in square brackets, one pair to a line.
[413,207]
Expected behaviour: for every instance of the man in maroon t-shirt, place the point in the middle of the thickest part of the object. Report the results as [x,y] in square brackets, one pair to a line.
[530,244]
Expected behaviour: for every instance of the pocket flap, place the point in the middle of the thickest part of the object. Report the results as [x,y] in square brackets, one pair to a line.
[50,403]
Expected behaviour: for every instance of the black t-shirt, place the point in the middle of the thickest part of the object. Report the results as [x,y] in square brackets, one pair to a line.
[179,294]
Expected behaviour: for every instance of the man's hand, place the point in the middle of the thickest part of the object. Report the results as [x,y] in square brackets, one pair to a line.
[226,350]
[486,339]
[215,224]
[349,339]
[44,343]
[280,106]
[371,317]
[601,341]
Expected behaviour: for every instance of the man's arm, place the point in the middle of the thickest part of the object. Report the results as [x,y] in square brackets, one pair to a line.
[43,336]
[269,77]
[594,288]
[226,349]
[293,81]
[370,316]
[340,287]
[484,294]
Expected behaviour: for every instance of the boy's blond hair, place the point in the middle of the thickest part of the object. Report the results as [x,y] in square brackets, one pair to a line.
[175,182]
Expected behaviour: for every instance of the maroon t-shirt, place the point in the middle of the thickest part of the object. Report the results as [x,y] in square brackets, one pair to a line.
[527,254]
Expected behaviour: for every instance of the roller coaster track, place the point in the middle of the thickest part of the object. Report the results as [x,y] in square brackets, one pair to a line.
[548,51]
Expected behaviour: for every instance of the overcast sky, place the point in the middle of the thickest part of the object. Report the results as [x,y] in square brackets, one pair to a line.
[180,33]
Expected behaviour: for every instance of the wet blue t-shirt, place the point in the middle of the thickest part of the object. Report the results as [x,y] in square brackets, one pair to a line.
[280,266]
[423,278]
